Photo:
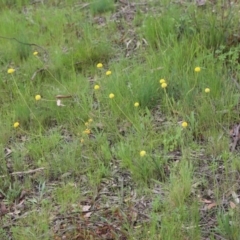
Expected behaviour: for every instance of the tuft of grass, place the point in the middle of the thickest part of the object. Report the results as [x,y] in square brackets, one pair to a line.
[102,6]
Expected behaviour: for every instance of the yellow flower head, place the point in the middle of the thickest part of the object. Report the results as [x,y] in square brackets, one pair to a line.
[111,95]
[11,70]
[35,53]
[142,153]
[197,69]
[207,90]
[161,81]
[16,124]
[136,104]
[108,73]
[87,131]
[81,140]
[86,124]
[90,120]
[99,65]
[38,97]
[163,85]
[96,87]
[184,124]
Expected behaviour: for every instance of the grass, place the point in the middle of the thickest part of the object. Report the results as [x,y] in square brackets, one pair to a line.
[72,168]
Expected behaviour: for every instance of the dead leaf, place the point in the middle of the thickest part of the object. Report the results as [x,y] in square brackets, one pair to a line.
[3,209]
[232,205]
[139,226]
[206,201]
[235,197]
[85,208]
[127,199]
[138,45]
[210,206]
[87,215]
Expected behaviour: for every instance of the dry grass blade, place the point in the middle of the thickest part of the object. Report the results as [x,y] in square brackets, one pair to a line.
[63,96]
[36,72]
[24,172]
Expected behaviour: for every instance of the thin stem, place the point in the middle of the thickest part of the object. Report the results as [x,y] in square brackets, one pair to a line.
[192,87]
[126,116]
[26,102]
[57,80]
[45,68]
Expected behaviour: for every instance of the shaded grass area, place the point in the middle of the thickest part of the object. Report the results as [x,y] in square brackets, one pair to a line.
[116,161]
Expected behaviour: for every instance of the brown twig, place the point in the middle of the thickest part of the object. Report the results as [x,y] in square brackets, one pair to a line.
[36,72]
[63,96]
[25,172]
[29,44]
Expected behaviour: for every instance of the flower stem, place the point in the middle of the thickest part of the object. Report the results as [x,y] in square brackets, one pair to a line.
[126,116]
[26,103]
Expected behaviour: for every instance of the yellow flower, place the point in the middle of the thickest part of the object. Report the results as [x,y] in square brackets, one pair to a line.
[16,124]
[35,53]
[207,90]
[108,72]
[164,85]
[136,104]
[87,131]
[161,81]
[38,97]
[11,70]
[111,95]
[184,124]
[82,140]
[96,87]
[143,153]
[90,120]
[99,65]
[197,69]
[86,124]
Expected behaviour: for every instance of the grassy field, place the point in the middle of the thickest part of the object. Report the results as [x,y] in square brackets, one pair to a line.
[115,119]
